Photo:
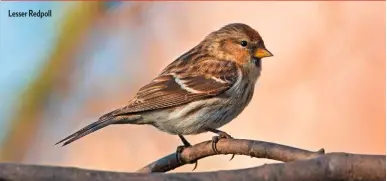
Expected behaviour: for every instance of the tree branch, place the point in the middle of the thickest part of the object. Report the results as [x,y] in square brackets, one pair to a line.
[329,167]
[302,165]
[258,149]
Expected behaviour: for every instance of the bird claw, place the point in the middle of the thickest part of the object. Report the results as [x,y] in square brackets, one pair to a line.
[215,139]
[232,157]
[179,150]
[196,165]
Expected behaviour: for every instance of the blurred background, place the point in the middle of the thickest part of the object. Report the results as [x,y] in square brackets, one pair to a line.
[324,88]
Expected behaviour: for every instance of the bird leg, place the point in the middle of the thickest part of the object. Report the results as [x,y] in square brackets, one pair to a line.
[180,149]
[215,139]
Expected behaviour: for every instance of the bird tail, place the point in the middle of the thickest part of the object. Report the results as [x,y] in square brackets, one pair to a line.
[103,121]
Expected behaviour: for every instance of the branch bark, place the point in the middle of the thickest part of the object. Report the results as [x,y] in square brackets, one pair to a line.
[329,167]
[257,149]
[302,165]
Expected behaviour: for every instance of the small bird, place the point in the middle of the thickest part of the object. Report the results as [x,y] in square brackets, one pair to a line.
[202,90]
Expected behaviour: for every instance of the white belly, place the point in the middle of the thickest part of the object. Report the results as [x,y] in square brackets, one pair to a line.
[196,117]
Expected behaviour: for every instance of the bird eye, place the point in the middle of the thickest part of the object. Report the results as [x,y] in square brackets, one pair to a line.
[243,43]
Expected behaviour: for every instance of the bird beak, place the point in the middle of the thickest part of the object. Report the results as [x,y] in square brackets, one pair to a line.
[262,53]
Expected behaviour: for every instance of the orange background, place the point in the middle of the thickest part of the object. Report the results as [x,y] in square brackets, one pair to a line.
[324,87]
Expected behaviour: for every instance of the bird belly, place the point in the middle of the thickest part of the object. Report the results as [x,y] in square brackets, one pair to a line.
[196,117]
[192,118]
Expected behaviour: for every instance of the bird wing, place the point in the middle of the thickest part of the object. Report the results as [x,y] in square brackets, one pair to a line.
[181,85]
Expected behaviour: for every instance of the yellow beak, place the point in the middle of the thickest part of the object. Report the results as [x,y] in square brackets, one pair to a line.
[262,53]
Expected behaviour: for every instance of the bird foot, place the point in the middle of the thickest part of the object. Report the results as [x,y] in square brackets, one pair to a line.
[179,150]
[215,139]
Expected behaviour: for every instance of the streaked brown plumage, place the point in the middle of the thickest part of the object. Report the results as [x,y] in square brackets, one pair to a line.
[200,91]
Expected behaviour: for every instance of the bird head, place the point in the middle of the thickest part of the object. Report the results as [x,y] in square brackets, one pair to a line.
[237,42]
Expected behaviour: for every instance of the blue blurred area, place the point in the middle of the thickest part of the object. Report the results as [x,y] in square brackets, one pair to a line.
[112,4]
[25,44]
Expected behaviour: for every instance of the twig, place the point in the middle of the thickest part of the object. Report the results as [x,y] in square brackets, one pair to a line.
[258,149]
[329,167]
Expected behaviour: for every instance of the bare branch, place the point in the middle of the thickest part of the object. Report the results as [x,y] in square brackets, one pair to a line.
[329,167]
[258,149]
[302,165]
